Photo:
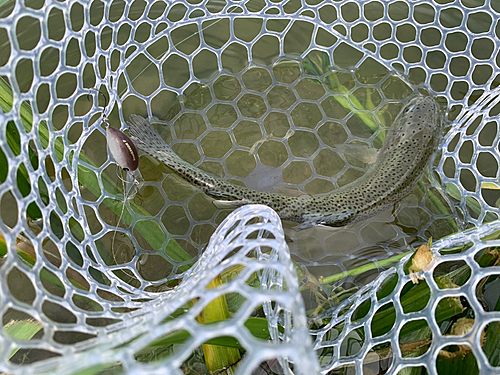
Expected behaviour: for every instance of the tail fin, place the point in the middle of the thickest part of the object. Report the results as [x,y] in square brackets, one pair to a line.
[146,137]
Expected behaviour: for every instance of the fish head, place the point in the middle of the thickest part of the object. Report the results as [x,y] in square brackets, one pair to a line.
[420,109]
[419,121]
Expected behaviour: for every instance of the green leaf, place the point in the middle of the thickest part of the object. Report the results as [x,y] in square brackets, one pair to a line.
[490,185]
[217,357]
[318,63]
[459,361]
[413,298]
[22,330]
[103,368]
[362,269]
[257,326]
[4,166]
[491,345]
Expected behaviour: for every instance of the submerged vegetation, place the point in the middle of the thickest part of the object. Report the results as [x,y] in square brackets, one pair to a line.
[454,315]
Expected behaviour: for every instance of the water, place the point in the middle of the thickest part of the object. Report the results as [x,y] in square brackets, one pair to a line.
[274,123]
[279,127]
[268,121]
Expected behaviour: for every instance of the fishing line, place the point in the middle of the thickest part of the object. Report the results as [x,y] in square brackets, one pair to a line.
[117,156]
[176,45]
[124,153]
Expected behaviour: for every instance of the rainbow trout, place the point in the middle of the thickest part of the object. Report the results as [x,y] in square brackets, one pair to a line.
[399,165]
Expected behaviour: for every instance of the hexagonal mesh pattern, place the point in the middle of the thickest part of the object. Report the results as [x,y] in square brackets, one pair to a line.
[273,95]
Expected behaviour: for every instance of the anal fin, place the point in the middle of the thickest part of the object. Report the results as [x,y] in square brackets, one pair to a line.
[222,204]
[335,219]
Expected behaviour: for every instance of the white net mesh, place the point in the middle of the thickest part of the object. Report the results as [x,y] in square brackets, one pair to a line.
[264,94]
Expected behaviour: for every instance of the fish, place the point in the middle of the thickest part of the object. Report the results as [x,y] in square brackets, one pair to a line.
[400,163]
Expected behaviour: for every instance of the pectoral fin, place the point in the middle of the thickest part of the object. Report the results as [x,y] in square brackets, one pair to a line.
[222,204]
[359,151]
[304,225]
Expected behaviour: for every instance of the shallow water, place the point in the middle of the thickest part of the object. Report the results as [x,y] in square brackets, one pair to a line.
[272,119]
[274,123]
[283,128]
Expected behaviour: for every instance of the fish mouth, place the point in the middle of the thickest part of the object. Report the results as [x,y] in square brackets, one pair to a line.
[421,100]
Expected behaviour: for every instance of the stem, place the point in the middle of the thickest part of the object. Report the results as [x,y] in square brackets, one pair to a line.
[217,357]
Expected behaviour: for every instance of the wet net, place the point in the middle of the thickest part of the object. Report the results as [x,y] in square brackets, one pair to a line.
[101,277]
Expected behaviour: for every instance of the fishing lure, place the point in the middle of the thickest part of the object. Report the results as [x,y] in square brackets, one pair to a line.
[124,153]
[122,150]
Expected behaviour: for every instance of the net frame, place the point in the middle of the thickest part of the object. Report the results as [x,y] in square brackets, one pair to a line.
[464,117]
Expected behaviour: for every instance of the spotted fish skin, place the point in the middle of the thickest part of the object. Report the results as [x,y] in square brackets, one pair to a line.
[405,153]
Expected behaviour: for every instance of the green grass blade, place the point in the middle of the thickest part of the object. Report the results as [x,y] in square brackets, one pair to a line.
[22,330]
[149,230]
